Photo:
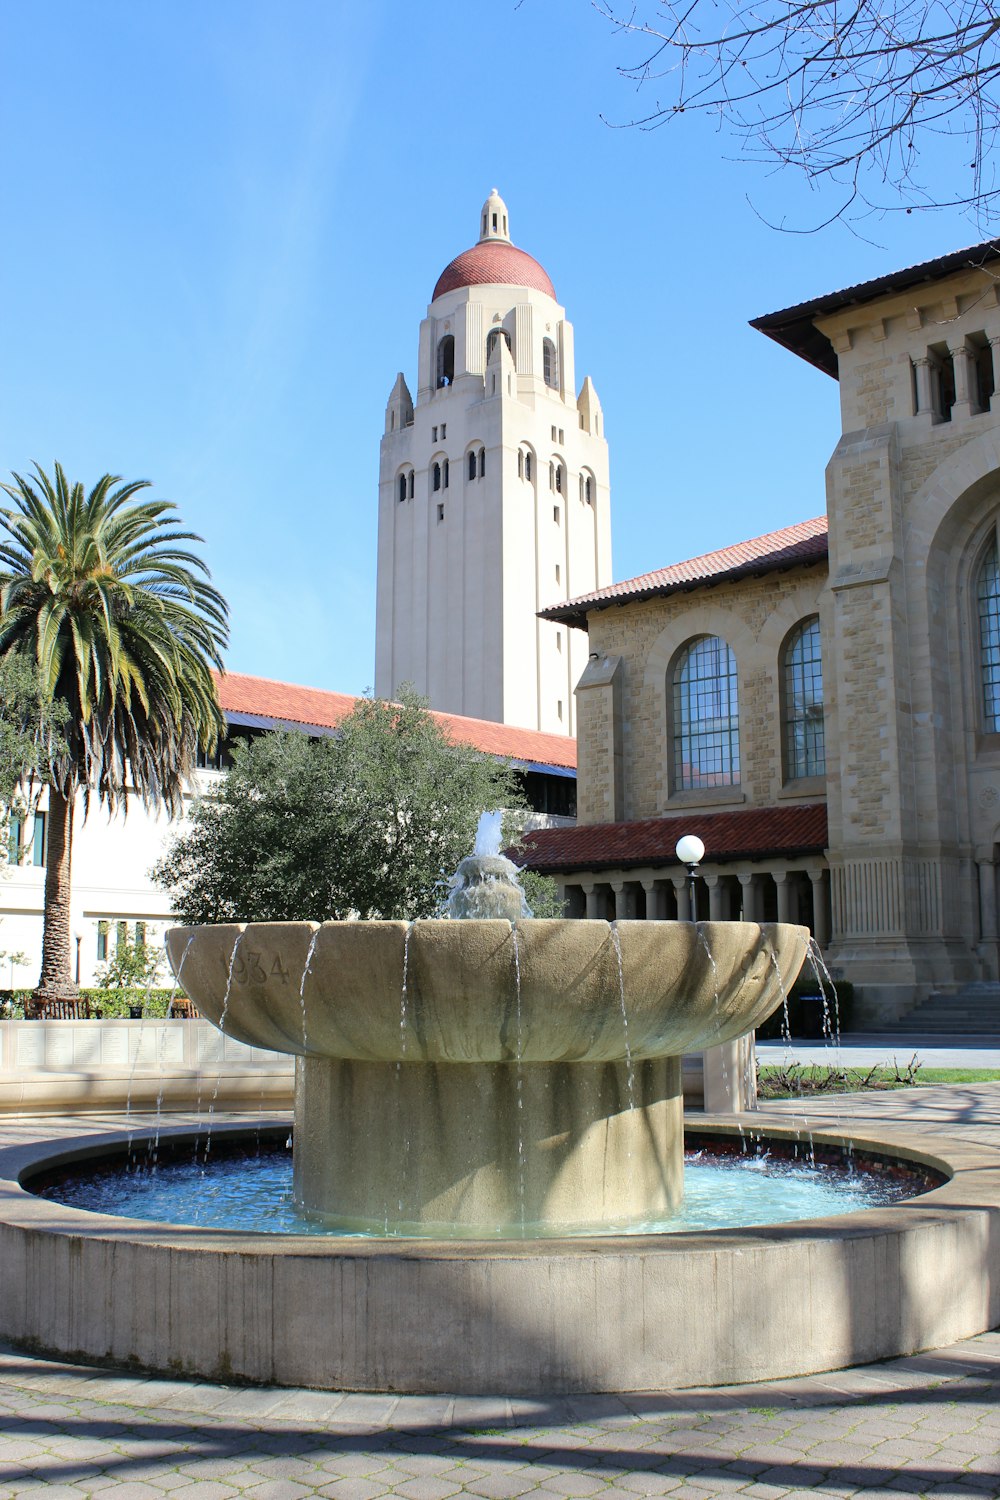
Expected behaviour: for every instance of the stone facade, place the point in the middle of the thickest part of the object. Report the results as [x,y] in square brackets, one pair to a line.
[912,773]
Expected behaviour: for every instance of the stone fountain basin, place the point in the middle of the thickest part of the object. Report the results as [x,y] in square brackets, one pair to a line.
[487,991]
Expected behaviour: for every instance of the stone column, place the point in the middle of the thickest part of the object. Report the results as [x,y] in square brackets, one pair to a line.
[962,364]
[784,890]
[751,902]
[593,896]
[624,908]
[715,895]
[995,357]
[656,900]
[820,925]
[925,400]
[987,914]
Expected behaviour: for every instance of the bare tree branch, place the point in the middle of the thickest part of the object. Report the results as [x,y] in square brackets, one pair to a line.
[849,91]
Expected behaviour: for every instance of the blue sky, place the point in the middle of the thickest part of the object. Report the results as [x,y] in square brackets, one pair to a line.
[223,225]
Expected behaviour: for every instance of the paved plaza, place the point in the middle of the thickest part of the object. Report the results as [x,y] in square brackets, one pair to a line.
[926,1425]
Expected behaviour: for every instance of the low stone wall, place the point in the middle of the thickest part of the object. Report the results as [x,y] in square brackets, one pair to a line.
[53,1067]
[56,1066]
[523,1317]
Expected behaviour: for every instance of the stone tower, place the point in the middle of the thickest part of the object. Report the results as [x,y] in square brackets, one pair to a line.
[493,496]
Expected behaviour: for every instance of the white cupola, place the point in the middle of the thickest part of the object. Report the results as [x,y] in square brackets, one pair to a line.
[493,219]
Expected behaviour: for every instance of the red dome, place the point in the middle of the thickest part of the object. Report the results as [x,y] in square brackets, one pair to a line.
[493,261]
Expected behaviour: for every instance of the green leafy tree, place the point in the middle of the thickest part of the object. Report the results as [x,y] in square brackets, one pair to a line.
[370,822]
[132,966]
[102,592]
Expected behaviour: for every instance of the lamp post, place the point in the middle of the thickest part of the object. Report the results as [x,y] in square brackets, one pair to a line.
[78,935]
[691,851]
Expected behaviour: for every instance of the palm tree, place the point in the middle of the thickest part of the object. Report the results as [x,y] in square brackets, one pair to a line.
[103,593]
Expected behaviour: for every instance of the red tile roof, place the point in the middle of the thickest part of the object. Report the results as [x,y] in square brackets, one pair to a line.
[285,703]
[752,833]
[800,545]
[492,262]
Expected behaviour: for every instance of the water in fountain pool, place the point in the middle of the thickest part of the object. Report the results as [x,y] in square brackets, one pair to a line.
[254,1192]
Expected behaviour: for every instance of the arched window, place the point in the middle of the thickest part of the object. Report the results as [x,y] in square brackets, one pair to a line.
[436,477]
[520,463]
[472,463]
[409,487]
[706,726]
[588,490]
[444,468]
[527,465]
[988,600]
[560,479]
[805,751]
[446,360]
[482,462]
[493,338]
[550,372]
[402,486]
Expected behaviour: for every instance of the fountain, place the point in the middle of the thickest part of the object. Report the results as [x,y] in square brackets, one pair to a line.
[488,1130]
[528,1074]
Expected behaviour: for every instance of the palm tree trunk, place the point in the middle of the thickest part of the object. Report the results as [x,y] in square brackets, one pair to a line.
[56,980]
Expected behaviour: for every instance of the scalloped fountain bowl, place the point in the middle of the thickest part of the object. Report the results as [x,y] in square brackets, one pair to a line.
[479,1074]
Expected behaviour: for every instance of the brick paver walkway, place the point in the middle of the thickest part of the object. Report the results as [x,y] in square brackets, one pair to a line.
[928,1425]
[923,1426]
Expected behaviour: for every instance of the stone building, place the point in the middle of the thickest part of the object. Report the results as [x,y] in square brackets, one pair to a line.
[822,705]
[493,496]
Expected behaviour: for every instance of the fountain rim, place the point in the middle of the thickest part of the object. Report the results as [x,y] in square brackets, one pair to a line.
[961,1166]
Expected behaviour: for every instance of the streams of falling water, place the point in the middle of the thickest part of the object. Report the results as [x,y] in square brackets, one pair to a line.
[827,988]
[306,967]
[629,1068]
[717,1013]
[784,1002]
[222,1031]
[519,1053]
[399,1074]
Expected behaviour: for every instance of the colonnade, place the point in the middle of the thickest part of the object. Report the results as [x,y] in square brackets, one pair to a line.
[781,891]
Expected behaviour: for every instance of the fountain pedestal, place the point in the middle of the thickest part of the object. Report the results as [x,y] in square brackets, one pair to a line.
[488,1146]
[481,1074]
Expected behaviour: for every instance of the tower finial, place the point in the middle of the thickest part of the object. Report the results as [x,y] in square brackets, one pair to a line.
[493,219]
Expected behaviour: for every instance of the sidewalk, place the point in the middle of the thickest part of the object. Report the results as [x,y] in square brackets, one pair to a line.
[868,1049]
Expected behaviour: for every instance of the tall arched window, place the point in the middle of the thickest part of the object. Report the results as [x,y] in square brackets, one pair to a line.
[436,477]
[988,600]
[402,486]
[409,488]
[482,462]
[446,360]
[493,338]
[805,751]
[549,369]
[472,463]
[706,724]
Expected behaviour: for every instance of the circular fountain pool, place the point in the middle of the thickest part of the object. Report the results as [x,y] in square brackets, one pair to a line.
[250,1188]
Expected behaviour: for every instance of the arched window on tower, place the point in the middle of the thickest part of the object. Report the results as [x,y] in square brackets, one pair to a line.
[805,747]
[493,338]
[472,463]
[402,486]
[520,463]
[988,604]
[482,462]
[409,488]
[444,468]
[446,361]
[436,477]
[705,725]
[550,370]
[527,464]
